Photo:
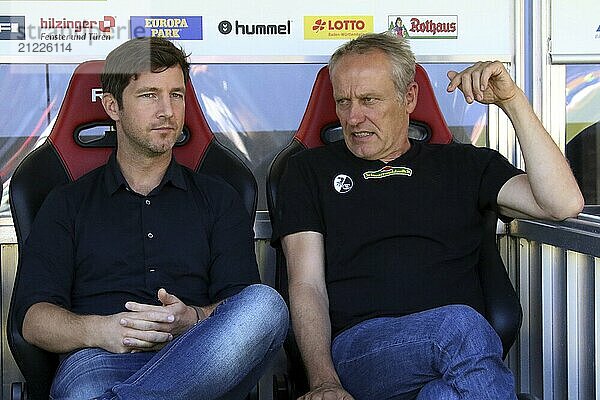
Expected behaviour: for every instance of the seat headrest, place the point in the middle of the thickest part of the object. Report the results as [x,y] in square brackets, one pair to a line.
[320,124]
[82,108]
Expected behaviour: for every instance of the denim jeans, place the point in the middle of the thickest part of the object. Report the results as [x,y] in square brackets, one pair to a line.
[221,357]
[446,353]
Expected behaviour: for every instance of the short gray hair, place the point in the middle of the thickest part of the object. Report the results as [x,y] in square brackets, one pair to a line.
[401,57]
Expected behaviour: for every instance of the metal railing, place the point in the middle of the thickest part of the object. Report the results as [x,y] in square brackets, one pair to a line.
[556,271]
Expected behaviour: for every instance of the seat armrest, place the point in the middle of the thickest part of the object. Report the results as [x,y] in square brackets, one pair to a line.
[502,306]
[17,391]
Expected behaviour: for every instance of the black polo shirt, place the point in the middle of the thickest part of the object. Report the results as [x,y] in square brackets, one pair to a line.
[400,237]
[95,244]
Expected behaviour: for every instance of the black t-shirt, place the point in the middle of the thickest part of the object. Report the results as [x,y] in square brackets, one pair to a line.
[400,237]
[95,244]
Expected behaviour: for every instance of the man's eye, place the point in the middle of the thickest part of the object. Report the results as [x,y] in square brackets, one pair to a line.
[342,102]
[147,95]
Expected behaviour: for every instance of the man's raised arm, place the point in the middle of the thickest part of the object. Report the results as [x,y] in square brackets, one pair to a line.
[549,189]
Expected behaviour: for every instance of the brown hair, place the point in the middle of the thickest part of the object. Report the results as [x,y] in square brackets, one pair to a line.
[140,55]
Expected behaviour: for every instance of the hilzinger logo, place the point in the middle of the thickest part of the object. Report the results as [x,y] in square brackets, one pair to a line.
[336,28]
[66,29]
[105,25]
[226,27]
[12,27]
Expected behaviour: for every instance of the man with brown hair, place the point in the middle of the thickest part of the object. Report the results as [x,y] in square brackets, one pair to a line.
[143,273]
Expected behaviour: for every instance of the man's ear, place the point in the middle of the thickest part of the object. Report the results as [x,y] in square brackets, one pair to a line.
[412,93]
[110,106]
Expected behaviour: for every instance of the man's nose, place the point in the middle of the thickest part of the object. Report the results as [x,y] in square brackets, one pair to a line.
[356,114]
[165,108]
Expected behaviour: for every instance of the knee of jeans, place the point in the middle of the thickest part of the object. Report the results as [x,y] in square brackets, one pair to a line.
[90,372]
[267,307]
[438,389]
[462,324]
[78,392]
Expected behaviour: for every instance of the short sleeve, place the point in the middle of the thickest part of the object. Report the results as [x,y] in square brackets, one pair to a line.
[496,173]
[47,262]
[297,206]
[232,262]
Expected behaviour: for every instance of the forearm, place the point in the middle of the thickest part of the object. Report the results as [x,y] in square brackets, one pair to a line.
[552,183]
[309,307]
[312,328]
[57,330]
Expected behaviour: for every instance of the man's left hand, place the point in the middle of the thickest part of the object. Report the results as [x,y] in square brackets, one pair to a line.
[487,82]
[174,316]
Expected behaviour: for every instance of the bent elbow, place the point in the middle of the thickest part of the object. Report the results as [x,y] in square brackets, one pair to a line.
[569,209]
[27,330]
[579,205]
[575,207]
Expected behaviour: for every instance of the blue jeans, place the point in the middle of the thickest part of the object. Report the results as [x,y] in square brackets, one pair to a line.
[446,353]
[221,357]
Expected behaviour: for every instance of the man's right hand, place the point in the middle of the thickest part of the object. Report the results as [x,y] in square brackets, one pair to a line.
[327,391]
[57,330]
[118,335]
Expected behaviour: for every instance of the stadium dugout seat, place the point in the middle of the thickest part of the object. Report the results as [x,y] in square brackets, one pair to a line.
[319,127]
[82,139]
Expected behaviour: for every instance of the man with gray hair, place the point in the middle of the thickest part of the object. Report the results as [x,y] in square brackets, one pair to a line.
[384,294]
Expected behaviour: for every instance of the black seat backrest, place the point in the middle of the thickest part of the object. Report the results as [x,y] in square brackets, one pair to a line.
[82,139]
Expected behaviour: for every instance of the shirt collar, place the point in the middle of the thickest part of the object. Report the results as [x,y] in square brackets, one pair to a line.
[410,154]
[115,180]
